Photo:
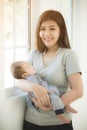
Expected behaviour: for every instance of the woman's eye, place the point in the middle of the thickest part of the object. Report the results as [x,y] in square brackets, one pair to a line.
[42,29]
[52,28]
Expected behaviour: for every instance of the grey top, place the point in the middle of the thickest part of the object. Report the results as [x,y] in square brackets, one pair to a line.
[64,64]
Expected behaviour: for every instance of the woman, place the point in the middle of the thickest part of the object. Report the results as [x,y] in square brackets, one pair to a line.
[56,63]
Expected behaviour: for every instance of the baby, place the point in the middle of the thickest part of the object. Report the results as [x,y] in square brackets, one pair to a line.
[24,70]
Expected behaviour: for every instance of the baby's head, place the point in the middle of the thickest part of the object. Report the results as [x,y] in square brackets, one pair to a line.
[21,69]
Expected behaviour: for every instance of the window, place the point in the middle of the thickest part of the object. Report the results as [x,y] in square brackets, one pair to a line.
[16,32]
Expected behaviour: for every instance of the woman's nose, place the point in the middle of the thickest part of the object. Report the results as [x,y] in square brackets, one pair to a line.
[46,33]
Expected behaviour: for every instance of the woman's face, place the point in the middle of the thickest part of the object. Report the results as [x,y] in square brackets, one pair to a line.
[49,33]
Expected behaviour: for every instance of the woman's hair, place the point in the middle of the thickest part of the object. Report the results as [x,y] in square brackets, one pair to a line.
[17,70]
[57,17]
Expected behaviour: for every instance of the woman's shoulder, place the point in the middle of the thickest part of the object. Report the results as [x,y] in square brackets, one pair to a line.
[33,51]
[68,54]
[33,54]
[68,51]
[71,61]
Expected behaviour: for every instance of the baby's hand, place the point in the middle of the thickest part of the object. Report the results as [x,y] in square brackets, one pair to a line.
[68,108]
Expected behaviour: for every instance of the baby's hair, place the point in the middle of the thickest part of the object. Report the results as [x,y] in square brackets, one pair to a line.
[17,70]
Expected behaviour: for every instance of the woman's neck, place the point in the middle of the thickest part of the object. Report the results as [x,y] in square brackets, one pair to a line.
[52,50]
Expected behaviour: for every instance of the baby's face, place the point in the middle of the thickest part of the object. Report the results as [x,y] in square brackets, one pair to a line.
[28,68]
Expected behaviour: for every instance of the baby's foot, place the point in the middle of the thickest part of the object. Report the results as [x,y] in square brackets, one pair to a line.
[64,119]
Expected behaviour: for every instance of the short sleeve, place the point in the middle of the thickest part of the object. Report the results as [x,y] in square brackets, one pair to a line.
[72,64]
[31,56]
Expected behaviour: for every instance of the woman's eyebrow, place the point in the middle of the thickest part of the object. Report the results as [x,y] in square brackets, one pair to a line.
[52,26]
[42,26]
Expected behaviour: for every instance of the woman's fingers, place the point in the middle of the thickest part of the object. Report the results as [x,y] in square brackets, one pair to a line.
[46,100]
[39,104]
[42,95]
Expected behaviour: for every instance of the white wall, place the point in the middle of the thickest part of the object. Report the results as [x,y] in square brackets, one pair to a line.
[80,44]
[12,113]
[1,53]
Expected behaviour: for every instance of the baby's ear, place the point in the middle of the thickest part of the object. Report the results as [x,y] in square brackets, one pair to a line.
[24,75]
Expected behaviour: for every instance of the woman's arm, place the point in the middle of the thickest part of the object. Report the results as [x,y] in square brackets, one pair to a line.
[75,81]
[24,85]
[40,92]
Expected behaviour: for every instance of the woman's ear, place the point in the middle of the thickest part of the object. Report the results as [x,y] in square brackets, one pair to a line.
[24,75]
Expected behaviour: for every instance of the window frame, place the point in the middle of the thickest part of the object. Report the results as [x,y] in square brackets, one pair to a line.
[13,91]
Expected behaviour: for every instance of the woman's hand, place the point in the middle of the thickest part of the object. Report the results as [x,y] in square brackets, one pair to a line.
[41,96]
[41,93]
[38,104]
